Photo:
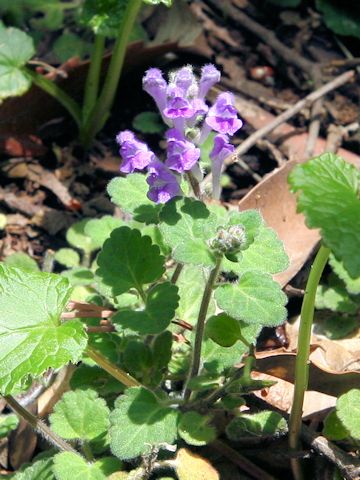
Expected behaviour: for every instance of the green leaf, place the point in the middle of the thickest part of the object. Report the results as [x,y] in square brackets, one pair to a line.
[80,415]
[79,276]
[104,17]
[342,18]
[77,237]
[216,359]
[265,423]
[99,229]
[256,299]
[137,357]
[352,284]
[23,261]
[32,337]
[195,429]
[333,428]
[148,122]
[161,348]
[139,422]
[158,2]
[70,466]
[16,49]
[40,469]
[86,377]
[7,424]
[348,412]
[67,257]
[186,226]
[223,330]
[130,194]
[70,45]
[190,298]
[129,260]
[161,303]
[336,326]
[329,197]
[335,298]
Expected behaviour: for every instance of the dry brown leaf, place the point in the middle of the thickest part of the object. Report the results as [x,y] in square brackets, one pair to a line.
[190,466]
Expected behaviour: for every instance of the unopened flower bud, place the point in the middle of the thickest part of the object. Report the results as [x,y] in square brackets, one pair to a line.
[228,240]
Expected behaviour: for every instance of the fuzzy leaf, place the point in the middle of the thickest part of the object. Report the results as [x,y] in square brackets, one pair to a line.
[161,303]
[16,49]
[32,337]
[352,284]
[335,298]
[256,299]
[99,229]
[7,424]
[265,423]
[129,260]
[137,357]
[79,276]
[130,194]
[23,261]
[140,421]
[78,238]
[96,378]
[186,226]
[329,197]
[195,429]
[348,411]
[104,17]
[333,428]
[40,469]
[80,415]
[70,466]
[223,330]
[67,257]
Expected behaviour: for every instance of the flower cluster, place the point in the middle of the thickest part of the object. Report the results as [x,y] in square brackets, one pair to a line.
[181,102]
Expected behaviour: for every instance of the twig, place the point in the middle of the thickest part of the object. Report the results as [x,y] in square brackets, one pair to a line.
[245,464]
[39,426]
[177,272]
[315,115]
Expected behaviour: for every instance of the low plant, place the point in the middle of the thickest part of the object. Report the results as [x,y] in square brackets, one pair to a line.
[176,293]
[112,19]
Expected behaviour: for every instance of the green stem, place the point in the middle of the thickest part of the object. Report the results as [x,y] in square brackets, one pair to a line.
[100,112]
[303,350]
[55,91]
[200,326]
[112,369]
[93,76]
[39,426]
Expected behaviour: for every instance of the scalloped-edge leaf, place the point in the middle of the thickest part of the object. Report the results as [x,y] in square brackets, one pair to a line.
[329,198]
[32,337]
[195,429]
[348,412]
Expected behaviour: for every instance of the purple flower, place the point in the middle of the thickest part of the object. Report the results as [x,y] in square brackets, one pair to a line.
[222,149]
[178,106]
[183,78]
[181,154]
[155,85]
[164,185]
[209,76]
[136,155]
[222,116]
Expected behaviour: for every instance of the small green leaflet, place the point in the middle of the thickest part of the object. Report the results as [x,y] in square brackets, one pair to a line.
[129,260]
[161,303]
[32,337]
[352,284]
[7,424]
[333,428]
[255,299]
[223,330]
[265,423]
[78,238]
[348,412]
[104,17]
[16,49]
[195,429]
[139,422]
[329,197]
[80,414]
[130,194]
[158,2]
[67,257]
[70,466]
[99,229]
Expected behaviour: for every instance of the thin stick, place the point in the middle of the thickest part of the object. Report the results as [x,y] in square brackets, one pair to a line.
[39,426]
[177,272]
[245,464]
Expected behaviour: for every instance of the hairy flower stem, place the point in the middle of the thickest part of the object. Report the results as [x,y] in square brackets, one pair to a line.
[200,326]
[39,426]
[112,369]
[55,91]
[195,185]
[101,110]
[303,350]
[177,272]
[93,77]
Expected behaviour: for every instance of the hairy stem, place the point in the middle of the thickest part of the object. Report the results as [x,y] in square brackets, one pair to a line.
[39,426]
[55,91]
[303,350]
[93,76]
[177,272]
[200,326]
[112,369]
[195,185]
[101,110]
